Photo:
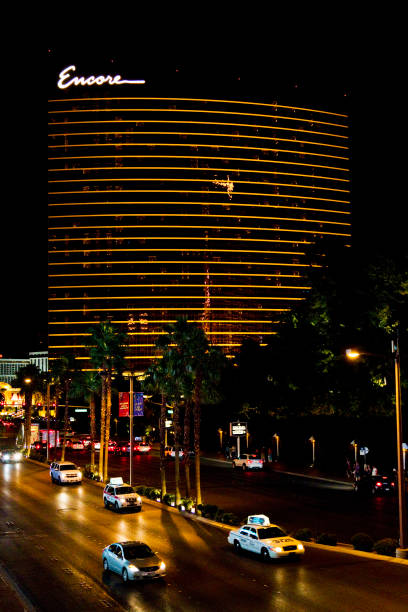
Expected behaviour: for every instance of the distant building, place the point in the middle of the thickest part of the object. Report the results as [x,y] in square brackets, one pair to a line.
[10,367]
[40,359]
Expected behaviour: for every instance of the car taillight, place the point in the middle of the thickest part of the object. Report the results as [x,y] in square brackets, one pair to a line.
[123,448]
[393,484]
[250,461]
[378,484]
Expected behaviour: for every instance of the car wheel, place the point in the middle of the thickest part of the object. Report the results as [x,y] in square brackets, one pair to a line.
[116,507]
[233,465]
[265,554]
[125,575]
[106,565]
[59,481]
[237,545]
[244,467]
[105,502]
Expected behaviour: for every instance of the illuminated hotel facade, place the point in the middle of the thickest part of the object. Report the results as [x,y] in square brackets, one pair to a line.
[162,207]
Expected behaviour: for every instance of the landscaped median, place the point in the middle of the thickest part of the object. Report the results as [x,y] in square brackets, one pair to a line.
[361,545]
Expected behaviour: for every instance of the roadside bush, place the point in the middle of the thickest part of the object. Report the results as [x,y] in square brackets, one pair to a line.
[327,538]
[208,510]
[304,534]
[89,473]
[154,493]
[38,456]
[386,546]
[141,489]
[168,498]
[187,502]
[362,541]
[229,518]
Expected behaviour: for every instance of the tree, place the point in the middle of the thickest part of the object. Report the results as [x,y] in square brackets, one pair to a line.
[29,379]
[106,350]
[87,385]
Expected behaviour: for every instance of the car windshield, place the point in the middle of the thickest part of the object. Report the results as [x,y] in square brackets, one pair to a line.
[270,532]
[122,490]
[137,551]
[69,466]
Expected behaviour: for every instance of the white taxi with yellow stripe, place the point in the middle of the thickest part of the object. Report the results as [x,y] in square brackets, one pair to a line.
[261,537]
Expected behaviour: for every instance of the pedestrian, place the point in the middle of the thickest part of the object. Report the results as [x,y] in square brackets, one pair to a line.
[367,469]
[348,468]
[356,470]
[227,452]
[374,471]
[270,455]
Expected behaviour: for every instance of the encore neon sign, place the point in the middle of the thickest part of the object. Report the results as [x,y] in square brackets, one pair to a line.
[66,79]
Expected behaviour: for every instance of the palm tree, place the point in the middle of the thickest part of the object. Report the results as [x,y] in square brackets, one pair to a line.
[66,373]
[29,379]
[155,382]
[87,385]
[106,349]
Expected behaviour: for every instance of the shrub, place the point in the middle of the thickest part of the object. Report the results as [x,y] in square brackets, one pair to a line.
[187,502]
[154,493]
[386,546]
[209,510]
[304,534]
[362,541]
[168,498]
[327,538]
[141,489]
[230,518]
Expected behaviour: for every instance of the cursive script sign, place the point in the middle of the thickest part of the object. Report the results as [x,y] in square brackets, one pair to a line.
[66,79]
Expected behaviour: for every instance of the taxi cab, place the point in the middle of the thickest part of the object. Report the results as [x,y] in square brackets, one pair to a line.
[261,537]
[120,495]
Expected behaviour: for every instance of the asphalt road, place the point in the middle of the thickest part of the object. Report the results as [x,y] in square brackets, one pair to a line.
[289,501]
[51,539]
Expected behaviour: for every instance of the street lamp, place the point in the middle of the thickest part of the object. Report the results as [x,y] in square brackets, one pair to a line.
[277,445]
[313,441]
[129,375]
[402,551]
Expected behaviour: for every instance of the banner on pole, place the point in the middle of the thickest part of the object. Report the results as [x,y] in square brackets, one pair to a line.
[138,404]
[124,404]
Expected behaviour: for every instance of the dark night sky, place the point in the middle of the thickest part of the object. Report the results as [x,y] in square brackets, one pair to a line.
[367,72]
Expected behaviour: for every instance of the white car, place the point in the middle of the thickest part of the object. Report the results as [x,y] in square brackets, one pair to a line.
[269,541]
[63,472]
[11,455]
[120,495]
[248,462]
[133,561]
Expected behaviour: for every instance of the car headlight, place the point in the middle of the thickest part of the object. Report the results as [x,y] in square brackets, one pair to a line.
[300,547]
[162,565]
[6,456]
[139,499]
[133,568]
[277,549]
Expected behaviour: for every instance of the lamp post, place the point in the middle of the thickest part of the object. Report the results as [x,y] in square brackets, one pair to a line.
[402,551]
[313,441]
[129,375]
[27,381]
[48,420]
[277,446]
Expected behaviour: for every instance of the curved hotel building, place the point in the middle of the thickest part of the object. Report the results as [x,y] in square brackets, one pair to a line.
[161,207]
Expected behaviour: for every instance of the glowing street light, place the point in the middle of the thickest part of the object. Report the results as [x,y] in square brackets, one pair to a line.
[313,441]
[402,551]
[276,436]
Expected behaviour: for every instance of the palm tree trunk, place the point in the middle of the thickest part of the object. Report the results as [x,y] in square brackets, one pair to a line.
[56,423]
[28,410]
[187,419]
[176,422]
[93,429]
[103,424]
[162,456]
[197,425]
[108,419]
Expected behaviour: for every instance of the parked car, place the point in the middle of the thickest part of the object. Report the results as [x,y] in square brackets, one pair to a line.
[132,560]
[39,446]
[142,448]
[375,485]
[77,444]
[123,447]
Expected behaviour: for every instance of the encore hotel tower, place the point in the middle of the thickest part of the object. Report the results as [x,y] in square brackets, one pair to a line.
[168,206]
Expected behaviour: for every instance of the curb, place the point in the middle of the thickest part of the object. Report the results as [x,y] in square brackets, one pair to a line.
[340,548]
[11,582]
